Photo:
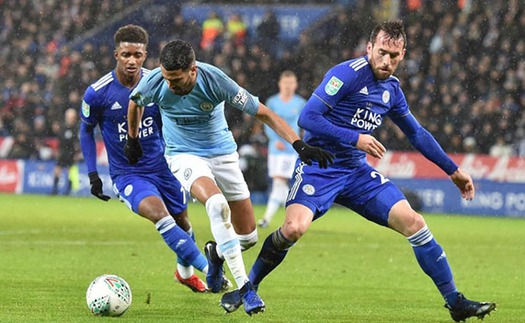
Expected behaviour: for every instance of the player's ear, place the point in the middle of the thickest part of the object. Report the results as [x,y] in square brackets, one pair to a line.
[403,52]
[369,48]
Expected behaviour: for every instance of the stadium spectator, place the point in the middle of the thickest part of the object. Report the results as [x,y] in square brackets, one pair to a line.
[212,32]
[236,30]
[268,33]
[33,32]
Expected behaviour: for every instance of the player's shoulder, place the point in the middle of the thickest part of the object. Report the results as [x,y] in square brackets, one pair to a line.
[351,70]
[210,72]
[393,79]
[152,75]
[102,82]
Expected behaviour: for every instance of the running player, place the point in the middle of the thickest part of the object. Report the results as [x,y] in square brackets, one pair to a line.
[202,153]
[346,107]
[148,188]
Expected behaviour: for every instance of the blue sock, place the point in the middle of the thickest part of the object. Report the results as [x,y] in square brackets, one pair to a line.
[272,253]
[181,261]
[181,243]
[433,261]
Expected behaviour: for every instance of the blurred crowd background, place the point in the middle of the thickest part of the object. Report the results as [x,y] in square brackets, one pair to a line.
[463,74]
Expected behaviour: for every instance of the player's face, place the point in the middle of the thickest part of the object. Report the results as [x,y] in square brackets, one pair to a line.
[180,82]
[130,57]
[288,85]
[384,55]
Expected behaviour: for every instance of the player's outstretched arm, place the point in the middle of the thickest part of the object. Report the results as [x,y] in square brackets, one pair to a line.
[306,152]
[465,184]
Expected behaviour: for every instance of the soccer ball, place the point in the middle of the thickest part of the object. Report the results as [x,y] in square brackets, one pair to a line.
[108,295]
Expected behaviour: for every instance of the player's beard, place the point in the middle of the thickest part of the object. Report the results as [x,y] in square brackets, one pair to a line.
[381,73]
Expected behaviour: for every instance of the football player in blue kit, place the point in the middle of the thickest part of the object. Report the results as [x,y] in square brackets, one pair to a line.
[341,114]
[202,152]
[148,188]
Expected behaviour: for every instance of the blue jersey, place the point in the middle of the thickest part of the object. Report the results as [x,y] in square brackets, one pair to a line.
[195,123]
[289,111]
[357,102]
[106,104]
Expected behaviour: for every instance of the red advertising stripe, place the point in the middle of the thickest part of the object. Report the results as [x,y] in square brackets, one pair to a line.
[415,165]
[10,176]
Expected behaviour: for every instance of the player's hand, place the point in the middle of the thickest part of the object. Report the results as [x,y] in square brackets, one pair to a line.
[371,146]
[133,150]
[96,186]
[280,145]
[464,182]
[308,153]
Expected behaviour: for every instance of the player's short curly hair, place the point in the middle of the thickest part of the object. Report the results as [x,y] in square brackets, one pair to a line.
[177,55]
[394,29]
[131,34]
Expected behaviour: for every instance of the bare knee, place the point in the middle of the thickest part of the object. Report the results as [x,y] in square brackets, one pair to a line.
[404,219]
[293,231]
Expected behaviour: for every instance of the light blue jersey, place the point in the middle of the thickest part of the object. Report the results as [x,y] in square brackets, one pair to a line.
[195,123]
[289,111]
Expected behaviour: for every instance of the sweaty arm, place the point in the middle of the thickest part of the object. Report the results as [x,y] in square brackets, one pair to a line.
[135,113]
[88,145]
[312,119]
[423,141]
[270,118]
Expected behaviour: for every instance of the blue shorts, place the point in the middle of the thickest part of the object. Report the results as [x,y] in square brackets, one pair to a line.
[362,189]
[133,188]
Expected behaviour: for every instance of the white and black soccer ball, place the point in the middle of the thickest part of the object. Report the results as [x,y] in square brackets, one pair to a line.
[108,295]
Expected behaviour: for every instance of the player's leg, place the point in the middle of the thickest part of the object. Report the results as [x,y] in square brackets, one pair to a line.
[174,197]
[276,199]
[433,261]
[57,171]
[141,195]
[243,220]
[280,169]
[196,176]
[376,198]
[229,177]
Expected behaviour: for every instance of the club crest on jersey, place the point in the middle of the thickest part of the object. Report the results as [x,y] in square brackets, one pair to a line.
[386,96]
[309,189]
[333,86]
[206,106]
[85,109]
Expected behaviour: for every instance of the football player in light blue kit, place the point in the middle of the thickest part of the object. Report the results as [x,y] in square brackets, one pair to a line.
[281,155]
[202,153]
[346,107]
[148,188]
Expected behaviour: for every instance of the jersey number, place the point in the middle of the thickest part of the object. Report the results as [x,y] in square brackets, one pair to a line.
[381,177]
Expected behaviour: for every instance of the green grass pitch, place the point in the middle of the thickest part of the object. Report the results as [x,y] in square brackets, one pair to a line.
[345,269]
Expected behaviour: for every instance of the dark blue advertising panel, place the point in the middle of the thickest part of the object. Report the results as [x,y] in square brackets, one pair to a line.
[492,198]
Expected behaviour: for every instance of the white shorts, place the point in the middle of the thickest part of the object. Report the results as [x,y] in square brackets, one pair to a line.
[281,165]
[224,170]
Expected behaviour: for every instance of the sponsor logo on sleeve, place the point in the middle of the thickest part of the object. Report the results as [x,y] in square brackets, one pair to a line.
[85,109]
[333,86]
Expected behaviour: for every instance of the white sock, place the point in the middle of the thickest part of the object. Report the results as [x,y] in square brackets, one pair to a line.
[228,245]
[185,272]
